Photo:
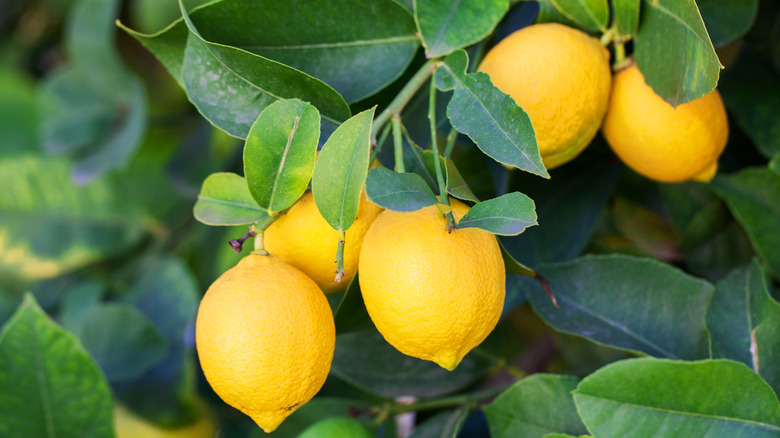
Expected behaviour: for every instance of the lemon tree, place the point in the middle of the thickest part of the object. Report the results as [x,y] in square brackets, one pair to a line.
[387,218]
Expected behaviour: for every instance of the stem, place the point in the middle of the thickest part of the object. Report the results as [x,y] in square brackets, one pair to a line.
[398,143]
[405,95]
[340,258]
[451,138]
[238,244]
[436,162]
[620,53]
[259,248]
[447,402]
[608,36]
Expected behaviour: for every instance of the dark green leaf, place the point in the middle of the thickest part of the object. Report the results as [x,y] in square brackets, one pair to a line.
[744,320]
[440,425]
[398,191]
[752,196]
[593,15]
[774,165]
[446,26]
[674,52]
[626,302]
[653,398]
[506,215]
[50,385]
[167,45]
[512,266]
[626,16]
[315,410]
[456,184]
[224,199]
[19,113]
[563,435]
[499,127]
[351,314]
[727,20]
[341,170]
[454,181]
[280,152]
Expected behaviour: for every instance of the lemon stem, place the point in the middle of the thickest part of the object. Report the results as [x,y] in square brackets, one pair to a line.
[398,144]
[405,95]
[340,258]
[259,248]
[607,36]
[620,53]
[447,402]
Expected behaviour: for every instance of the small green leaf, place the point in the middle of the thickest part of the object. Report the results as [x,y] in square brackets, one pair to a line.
[626,17]
[727,20]
[50,385]
[492,119]
[279,153]
[506,215]
[224,199]
[651,398]
[456,184]
[512,266]
[535,406]
[446,26]
[674,52]
[341,170]
[398,191]
[593,15]
[317,409]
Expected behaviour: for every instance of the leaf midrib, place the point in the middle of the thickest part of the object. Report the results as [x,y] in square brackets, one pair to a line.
[337,45]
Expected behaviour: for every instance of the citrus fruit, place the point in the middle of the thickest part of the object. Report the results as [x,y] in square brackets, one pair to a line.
[432,295]
[129,425]
[304,239]
[561,77]
[661,142]
[265,338]
[337,427]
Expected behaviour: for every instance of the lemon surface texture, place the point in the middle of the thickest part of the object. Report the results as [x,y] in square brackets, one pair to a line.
[561,77]
[265,337]
[432,295]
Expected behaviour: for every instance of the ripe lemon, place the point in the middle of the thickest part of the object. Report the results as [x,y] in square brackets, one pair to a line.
[561,77]
[265,337]
[337,427]
[659,141]
[304,239]
[431,294]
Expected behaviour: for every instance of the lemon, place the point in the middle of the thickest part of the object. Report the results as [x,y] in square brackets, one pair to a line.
[337,427]
[265,338]
[432,295]
[561,77]
[304,239]
[129,425]
[659,141]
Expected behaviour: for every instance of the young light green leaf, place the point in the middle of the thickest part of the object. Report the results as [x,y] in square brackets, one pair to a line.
[50,385]
[499,127]
[535,406]
[626,17]
[727,20]
[506,215]
[341,170]
[593,15]
[648,397]
[635,304]
[446,26]
[279,153]
[398,191]
[743,321]
[224,199]
[674,51]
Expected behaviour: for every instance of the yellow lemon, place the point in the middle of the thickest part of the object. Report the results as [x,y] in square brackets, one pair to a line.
[265,338]
[659,141]
[432,295]
[129,425]
[304,239]
[561,77]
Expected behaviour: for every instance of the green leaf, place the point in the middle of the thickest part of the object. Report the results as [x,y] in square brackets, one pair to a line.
[280,152]
[454,181]
[727,20]
[752,196]
[593,15]
[548,13]
[19,113]
[456,184]
[674,52]
[398,191]
[167,45]
[351,314]
[626,17]
[563,435]
[630,303]
[444,424]
[535,406]
[492,119]
[48,226]
[341,170]
[315,410]
[653,398]
[446,26]
[774,165]
[744,321]
[224,199]
[506,215]
[50,385]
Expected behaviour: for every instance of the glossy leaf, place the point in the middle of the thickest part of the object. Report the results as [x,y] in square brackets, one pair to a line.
[341,170]
[674,52]
[492,119]
[50,385]
[626,16]
[398,191]
[727,20]
[224,199]
[593,15]
[535,406]
[752,196]
[279,153]
[630,303]
[446,26]
[653,398]
[453,180]
[506,215]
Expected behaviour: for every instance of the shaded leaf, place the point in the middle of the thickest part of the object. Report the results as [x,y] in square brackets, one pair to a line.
[315,410]
[506,215]
[398,191]
[224,199]
[646,230]
[727,20]
[440,425]
[593,15]
[626,16]
[456,184]
[446,26]
[19,113]
[351,314]
[774,165]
